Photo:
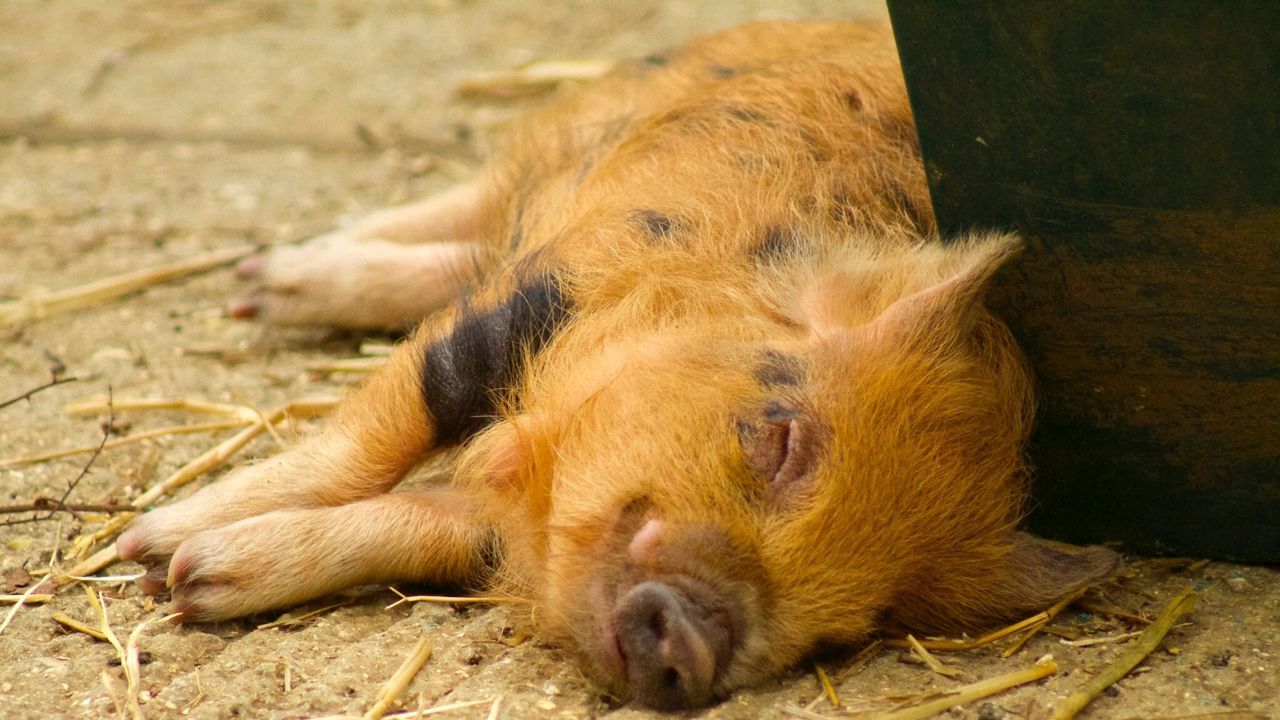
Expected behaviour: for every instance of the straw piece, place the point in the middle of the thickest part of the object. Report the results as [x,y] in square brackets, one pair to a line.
[968,693]
[132,671]
[97,406]
[27,598]
[532,79]
[455,599]
[949,645]
[405,715]
[81,296]
[348,365]
[127,440]
[130,703]
[73,624]
[1127,660]
[1049,615]
[1086,642]
[827,687]
[930,661]
[493,711]
[210,459]
[860,661]
[22,599]
[112,692]
[400,680]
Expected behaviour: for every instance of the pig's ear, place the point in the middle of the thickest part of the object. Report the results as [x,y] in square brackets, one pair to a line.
[955,277]
[1035,573]
[503,453]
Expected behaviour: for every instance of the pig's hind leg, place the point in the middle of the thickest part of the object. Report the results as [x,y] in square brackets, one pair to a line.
[387,271]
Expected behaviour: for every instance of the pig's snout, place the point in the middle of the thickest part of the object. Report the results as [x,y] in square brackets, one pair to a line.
[672,643]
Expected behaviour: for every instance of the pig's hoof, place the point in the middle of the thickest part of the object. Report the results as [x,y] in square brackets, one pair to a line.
[295,285]
[338,280]
[260,563]
[151,542]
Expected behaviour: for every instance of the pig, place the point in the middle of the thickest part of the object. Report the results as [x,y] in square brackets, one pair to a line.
[718,393]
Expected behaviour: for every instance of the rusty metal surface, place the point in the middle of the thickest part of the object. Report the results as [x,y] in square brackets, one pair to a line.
[1136,145]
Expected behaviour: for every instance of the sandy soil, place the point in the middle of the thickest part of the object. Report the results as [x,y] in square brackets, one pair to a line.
[135,133]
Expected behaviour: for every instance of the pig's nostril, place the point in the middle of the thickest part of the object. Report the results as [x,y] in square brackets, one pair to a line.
[671,645]
[658,625]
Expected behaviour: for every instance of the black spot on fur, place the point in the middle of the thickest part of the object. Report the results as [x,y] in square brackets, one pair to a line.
[777,369]
[774,243]
[723,71]
[853,100]
[655,60]
[465,372]
[657,225]
[777,413]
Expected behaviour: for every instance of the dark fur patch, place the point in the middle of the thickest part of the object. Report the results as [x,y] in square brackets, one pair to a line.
[853,100]
[774,243]
[777,369]
[657,225]
[465,373]
[723,71]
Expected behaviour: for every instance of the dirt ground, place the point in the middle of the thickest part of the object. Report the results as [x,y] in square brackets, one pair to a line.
[137,133]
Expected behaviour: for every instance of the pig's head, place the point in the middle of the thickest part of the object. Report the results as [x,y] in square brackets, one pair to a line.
[699,504]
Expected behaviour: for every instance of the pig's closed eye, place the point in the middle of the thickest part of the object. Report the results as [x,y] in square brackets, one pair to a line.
[781,450]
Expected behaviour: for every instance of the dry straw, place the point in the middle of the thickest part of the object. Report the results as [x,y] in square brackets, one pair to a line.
[44,305]
[1135,653]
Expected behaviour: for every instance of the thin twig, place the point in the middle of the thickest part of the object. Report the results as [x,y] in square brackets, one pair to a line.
[52,506]
[27,395]
[1135,653]
[106,433]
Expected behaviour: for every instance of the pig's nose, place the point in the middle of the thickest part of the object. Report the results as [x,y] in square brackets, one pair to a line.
[670,645]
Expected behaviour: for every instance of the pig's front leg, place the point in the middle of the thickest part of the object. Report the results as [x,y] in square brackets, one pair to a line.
[289,556]
[379,433]
[440,387]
